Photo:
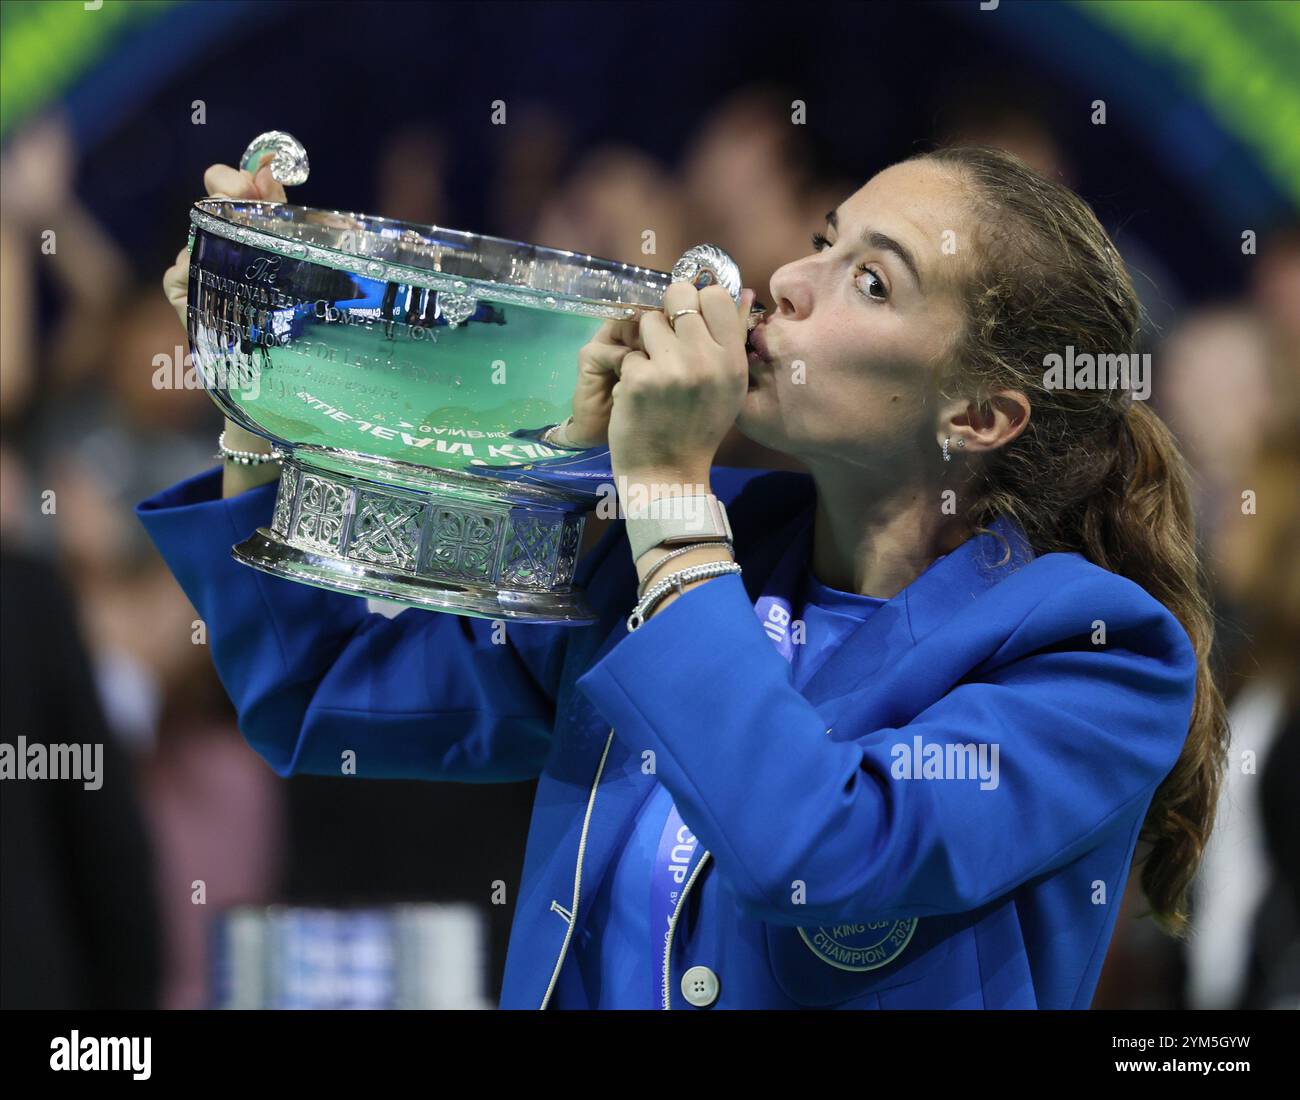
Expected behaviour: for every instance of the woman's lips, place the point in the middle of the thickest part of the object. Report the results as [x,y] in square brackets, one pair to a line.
[757,356]
[758,344]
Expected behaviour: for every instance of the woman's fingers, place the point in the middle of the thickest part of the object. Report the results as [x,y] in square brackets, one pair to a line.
[623,334]
[223,181]
[176,282]
[613,340]
[633,361]
[268,187]
[719,320]
[723,316]
[661,335]
[180,270]
[605,357]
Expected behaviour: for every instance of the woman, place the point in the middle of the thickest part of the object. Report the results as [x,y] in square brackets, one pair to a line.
[988,682]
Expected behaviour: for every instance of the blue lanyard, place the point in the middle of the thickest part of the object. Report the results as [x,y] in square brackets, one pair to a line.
[677,844]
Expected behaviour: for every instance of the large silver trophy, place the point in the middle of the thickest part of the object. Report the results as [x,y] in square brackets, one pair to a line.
[406,373]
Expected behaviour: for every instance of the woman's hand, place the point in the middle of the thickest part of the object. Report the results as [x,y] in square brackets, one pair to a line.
[679,395]
[222,182]
[598,366]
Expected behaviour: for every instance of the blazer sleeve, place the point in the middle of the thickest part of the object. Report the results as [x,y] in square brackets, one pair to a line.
[314,674]
[1084,733]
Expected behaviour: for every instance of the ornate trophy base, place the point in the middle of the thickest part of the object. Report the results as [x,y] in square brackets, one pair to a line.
[485,549]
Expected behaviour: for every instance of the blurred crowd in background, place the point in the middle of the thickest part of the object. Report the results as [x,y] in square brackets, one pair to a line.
[83,426]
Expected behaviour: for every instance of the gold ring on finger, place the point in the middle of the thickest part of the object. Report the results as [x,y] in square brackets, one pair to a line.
[672,318]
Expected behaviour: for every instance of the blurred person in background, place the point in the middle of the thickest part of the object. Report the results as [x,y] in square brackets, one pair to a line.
[1216,389]
[534,157]
[1227,381]
[1275,294]
[613,198]
[1274,620]
[45,234]
[80,925]
[39,205]
[980,107]
[410,176]
[193,803]
[17,378]
[212,813]
[1246,953]
[217,817]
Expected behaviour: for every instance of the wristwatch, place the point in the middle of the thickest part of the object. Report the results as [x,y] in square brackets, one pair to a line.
[672,520]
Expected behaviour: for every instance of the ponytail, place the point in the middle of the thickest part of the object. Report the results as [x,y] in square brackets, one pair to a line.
[1140,525]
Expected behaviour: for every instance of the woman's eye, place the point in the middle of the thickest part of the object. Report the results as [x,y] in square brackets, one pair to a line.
[876,289]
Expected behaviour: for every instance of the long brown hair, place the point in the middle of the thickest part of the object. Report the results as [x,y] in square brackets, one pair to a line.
[1094,471]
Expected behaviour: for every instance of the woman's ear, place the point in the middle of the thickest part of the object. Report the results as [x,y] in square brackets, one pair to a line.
[978,426]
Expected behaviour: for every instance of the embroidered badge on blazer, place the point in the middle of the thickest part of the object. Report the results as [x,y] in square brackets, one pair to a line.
[860,946]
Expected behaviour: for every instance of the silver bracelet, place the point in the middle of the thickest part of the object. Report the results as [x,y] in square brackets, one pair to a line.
[246,458]
[640,588]
[546,437]
[676,580]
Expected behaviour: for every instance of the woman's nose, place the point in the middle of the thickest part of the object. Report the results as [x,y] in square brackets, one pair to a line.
[791,292]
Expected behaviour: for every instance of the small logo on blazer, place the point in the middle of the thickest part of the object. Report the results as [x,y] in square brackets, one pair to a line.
[860,946]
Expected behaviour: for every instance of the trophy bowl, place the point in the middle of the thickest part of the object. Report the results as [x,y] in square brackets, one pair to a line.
[406,374]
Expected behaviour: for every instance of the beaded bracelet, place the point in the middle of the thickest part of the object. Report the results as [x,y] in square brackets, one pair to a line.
[676,580]
[246,458]
[640,588]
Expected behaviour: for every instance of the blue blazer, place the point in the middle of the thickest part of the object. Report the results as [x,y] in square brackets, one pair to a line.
[842,860]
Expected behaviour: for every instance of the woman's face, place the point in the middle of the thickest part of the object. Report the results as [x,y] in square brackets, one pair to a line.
[858,327]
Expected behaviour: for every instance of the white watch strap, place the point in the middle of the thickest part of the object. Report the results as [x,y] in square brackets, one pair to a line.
[676,519]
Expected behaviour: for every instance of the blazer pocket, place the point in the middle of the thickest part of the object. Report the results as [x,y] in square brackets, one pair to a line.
[821,966]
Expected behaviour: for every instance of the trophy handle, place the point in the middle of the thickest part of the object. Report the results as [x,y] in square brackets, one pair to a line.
[289,164]
[705,264]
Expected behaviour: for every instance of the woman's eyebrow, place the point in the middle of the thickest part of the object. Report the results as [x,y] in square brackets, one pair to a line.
[875,239]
